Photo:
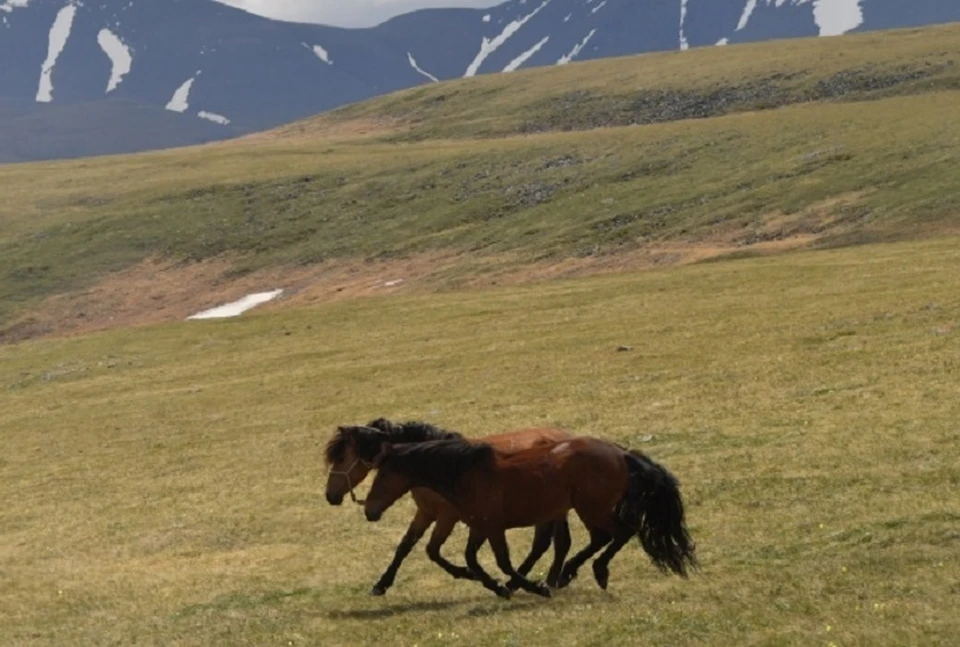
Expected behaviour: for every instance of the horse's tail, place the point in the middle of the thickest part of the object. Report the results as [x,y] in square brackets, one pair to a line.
[652,508]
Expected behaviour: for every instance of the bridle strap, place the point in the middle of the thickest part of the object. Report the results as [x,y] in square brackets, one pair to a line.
[346,474]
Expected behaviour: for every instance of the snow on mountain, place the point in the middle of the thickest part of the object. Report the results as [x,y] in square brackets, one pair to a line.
[322,54]
[180,101]
[414,65]
[59,33]
[119,54]
[258,73]
[489,46]
[837,16]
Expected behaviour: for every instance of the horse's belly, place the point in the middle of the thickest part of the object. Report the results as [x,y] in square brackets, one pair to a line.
[534,506]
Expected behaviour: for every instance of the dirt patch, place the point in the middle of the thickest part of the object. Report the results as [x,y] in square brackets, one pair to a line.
[157,292]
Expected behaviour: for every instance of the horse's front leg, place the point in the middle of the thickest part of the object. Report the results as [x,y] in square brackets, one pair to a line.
[498,542]
[474,542]
[421,521]
[541,542]
[441,532]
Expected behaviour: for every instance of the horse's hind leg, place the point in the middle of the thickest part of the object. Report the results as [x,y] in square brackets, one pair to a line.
[601,566]
[598,539]
[421,521]
[474,542]
[498,542]
[541,542]
[441,532]
[561,546]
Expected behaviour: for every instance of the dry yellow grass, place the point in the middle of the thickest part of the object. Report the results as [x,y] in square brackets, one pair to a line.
[163,485]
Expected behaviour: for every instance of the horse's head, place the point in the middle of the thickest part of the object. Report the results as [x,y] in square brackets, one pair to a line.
[388,486]
[351,454]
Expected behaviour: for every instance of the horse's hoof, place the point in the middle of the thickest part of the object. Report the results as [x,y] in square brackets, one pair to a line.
[513,585]
[602,576]
[543,590]
[503,592]
[564,580]
[378,590]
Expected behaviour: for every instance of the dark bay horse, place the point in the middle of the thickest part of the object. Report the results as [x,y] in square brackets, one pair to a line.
[618,494]
[350,454]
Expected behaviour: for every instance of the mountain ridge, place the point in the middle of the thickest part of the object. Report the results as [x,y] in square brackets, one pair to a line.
[242,73]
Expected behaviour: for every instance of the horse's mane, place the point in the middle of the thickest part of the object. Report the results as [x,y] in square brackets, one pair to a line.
[370,437]
[438,464]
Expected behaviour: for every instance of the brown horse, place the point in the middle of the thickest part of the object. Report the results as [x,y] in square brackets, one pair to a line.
[618,494]
[350,454]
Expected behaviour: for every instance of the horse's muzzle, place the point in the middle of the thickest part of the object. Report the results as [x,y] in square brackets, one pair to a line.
[373,515]
[334,499]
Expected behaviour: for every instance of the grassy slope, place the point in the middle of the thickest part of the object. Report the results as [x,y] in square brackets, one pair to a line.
[453,174]
[164,485]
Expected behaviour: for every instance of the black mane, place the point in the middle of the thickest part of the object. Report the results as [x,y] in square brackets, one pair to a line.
[438,464]
[369,438]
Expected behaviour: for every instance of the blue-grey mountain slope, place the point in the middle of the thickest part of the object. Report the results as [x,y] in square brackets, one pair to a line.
[128,75]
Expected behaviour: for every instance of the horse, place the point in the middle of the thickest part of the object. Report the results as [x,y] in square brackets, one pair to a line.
[350,454]
[617,493]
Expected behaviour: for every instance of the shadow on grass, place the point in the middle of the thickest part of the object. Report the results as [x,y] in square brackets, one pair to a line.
[476,606]
[390,610]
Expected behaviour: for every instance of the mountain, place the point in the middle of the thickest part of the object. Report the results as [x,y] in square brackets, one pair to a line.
[90,77]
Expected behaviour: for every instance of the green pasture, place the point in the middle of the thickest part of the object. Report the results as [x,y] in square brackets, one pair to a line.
[164,485]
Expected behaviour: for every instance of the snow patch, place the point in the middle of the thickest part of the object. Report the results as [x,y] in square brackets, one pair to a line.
[322,54]
[237,307]
[488,47]
[119,55]
[683,18]
[214,117]
[567,17]
[59,33]
[722,41]
[486,18]
[598,7]
[181,97]
[413,64]
[10,5]
[523,58]
[566,58]
[835,17]
[745,15]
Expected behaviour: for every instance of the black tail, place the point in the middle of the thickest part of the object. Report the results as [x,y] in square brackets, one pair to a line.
[652,508]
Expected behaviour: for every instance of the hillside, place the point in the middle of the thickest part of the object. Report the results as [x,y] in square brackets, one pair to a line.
[744,149]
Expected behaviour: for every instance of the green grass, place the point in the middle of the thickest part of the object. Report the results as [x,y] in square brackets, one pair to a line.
[861,147]
[164,485]
[703,82]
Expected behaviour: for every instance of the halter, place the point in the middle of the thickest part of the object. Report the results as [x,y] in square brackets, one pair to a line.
[346,474]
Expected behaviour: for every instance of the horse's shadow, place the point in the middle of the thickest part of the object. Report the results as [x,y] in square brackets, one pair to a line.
[389,610]
[476,606]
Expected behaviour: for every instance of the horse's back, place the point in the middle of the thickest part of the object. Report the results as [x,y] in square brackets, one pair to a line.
[523,439]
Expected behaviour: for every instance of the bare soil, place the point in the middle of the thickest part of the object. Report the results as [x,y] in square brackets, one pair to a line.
[159,291]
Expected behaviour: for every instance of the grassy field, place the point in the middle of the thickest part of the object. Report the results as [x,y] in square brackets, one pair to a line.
[528,168]
[164,485]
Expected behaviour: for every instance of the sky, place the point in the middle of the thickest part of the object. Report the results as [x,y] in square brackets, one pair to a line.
[346,13]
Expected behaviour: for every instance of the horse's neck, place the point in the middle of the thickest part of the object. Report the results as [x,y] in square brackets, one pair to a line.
[417,433]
